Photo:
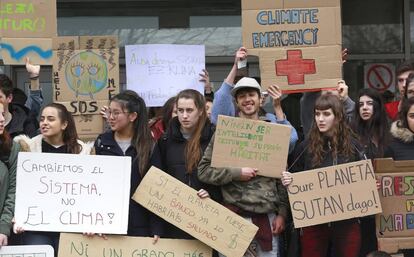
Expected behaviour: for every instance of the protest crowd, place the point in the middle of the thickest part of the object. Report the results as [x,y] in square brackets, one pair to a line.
[180,141]
[346,148]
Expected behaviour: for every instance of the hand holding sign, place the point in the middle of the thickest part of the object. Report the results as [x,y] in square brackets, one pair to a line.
[248,173]
[342,88]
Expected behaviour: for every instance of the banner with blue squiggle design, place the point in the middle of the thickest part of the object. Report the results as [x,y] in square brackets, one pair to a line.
[15,50]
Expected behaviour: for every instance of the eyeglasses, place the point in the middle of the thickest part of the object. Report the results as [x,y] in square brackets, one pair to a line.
[114,114]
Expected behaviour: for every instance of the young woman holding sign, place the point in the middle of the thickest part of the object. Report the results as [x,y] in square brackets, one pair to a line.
[130,136]
[180,149]
[8,163]
[58,135]
[330,143]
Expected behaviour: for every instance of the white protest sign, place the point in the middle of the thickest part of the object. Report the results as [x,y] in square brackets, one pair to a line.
[158,72]
[27,251]
[73,193]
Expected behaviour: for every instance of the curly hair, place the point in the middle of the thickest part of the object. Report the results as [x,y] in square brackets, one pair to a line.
[340,137]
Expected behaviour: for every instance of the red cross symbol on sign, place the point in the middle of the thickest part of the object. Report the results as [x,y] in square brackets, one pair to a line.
[294,67]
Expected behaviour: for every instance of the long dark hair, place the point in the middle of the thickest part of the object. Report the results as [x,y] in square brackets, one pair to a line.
[142,139]
[377,127]
[167,111]
[340,140]
[405,108]
[193,152]
[69,135]
[5,142]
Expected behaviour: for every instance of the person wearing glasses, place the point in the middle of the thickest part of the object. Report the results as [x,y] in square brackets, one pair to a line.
[130,136]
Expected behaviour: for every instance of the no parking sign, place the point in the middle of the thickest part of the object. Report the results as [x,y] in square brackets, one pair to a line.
[380,76]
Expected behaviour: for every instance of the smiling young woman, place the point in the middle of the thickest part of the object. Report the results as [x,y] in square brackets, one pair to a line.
[58,135]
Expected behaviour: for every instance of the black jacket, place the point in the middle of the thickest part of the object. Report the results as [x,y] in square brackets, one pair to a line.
[168,156]
[402,143]
[21,123]
[303,157]
[141,222]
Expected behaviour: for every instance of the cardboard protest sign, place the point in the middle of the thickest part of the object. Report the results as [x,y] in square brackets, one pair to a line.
[87,117]
[15,50]
[75,245]
[26,29]
[28,19]
[158,72]
[249,143]
[298,42]
[204,219]
[73,192]
[27,251]
[85,77]
[85,68]
[395,225]
[333,193]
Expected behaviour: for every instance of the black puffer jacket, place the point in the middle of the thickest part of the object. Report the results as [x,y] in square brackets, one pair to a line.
[141,222]
[402,143]
[168,156]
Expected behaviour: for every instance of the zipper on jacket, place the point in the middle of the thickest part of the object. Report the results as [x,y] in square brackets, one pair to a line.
[335,158]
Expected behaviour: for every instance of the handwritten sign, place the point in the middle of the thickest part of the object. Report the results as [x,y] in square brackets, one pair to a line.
[28,19]
[247,143]
[15,50]
[158,72]
[396,194]
[85,68]
[76,245]
[395,225]
[27,251]
[333,193]
[85,77]
[26,30]
[298,42]
[204,219]
[73,193]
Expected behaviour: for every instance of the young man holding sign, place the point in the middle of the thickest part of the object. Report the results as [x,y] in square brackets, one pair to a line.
[223,103]
[262,200]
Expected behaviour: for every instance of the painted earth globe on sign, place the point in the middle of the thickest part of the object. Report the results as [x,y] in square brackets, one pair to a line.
[86,73]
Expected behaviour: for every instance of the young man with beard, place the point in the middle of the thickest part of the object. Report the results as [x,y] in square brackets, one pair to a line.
[261,199]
